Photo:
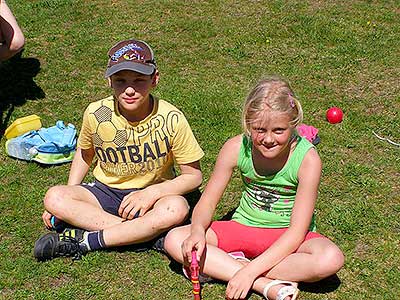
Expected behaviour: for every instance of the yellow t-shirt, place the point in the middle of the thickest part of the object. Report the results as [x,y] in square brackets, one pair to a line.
[136,155]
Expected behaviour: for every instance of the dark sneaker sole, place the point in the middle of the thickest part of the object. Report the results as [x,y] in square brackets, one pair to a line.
[44,245]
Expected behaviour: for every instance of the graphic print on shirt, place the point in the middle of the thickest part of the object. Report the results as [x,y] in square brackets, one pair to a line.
[264,199]
[125,150]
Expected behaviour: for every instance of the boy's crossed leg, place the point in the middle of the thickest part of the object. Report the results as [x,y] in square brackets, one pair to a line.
[77,206]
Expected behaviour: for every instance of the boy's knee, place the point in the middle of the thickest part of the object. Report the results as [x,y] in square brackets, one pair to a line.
[53,198]
[173,211]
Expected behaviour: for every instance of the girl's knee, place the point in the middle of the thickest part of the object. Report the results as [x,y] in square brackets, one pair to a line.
[336,257]
[173,240]
[330,262]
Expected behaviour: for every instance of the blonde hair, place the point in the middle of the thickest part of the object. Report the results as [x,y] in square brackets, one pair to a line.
[274,94]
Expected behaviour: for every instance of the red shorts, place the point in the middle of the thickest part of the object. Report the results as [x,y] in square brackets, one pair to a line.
[252,241]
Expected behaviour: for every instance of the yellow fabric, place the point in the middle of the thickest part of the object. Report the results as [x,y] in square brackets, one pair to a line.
[135,155]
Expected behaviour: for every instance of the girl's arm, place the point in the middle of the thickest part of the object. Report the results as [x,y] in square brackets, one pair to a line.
[309,177]
[80,165]
[204,210]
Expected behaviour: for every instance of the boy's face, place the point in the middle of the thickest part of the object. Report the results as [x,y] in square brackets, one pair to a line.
[132,90]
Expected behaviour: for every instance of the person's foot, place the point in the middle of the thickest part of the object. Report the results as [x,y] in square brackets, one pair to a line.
[281,290]
[58,225]
[66,244]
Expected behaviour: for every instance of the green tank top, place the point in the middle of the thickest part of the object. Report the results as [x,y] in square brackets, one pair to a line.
[267,201]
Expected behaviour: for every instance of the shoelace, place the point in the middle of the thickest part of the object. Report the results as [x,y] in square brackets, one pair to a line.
[69,246]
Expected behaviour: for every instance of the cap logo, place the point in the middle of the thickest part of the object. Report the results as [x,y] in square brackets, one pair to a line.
[126,48]
[133,56]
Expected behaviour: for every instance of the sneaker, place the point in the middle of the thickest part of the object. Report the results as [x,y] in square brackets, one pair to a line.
[158,244]
[66,244]
[58,225]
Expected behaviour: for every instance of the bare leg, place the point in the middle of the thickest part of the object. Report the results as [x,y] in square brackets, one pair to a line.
[168,212]
[314,260]
[77,206]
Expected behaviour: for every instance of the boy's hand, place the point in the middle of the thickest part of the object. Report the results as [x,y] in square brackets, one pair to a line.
[240,284]
[46,216]
[137,202]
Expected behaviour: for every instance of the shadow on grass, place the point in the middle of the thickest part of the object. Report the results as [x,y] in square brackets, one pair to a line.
[17,86]
[323,286]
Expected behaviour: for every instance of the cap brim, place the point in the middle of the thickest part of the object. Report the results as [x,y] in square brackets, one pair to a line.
[130,66]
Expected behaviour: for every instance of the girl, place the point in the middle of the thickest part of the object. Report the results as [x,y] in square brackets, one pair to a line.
[274,223]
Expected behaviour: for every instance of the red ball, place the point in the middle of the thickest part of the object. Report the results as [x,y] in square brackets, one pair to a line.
[334,115]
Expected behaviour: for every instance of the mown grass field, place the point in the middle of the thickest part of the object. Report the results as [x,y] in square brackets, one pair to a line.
[342,53]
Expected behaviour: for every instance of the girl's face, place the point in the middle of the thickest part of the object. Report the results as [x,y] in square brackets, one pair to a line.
[132,90]
[271,134]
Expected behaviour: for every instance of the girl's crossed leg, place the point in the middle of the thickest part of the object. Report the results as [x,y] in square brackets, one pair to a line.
[314,260]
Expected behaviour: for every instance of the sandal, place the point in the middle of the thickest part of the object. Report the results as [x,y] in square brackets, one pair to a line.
[238,255]
[289,290]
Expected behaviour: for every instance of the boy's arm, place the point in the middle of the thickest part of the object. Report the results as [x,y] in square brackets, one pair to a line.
[189,179]
[80,165]
[143,200]
[11,37]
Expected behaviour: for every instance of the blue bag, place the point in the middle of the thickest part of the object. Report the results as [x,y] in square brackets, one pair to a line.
[53,145]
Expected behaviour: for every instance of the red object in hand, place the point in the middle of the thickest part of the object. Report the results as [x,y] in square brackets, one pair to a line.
[334,115]
[194,276]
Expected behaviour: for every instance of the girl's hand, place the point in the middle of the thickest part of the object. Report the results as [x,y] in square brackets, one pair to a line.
[240,284]
[196,240]
[137,203]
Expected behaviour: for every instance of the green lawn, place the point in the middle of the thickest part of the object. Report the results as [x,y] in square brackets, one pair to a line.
[343,53]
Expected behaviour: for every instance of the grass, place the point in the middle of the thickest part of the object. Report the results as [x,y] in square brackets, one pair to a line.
[210,53]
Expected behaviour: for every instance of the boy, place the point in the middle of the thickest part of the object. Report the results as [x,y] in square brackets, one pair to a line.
[135,139]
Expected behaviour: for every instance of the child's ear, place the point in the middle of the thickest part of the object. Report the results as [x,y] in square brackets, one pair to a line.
[109,82]
[155,79]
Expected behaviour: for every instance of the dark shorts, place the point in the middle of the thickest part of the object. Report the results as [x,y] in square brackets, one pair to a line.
[252,241]
[110,198]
